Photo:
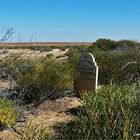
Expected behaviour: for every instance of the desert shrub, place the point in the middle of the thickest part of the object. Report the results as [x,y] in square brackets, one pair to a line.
[49,56]
[46,75]
[72,61]
[34,132]
[8,113]
[44,49]
[111,113]
[38,77]
[81,48]
[62,48]
[126,44]
[57,74]
[111,66]
[106,44]
[71,52]
[93,48]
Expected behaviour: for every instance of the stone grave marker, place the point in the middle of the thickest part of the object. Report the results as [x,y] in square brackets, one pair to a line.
[87,74]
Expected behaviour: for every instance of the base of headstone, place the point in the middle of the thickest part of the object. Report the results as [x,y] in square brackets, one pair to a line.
[83,85]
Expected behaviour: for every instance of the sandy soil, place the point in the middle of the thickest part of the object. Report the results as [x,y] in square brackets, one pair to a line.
[8,135]
[27,53]
[55,112]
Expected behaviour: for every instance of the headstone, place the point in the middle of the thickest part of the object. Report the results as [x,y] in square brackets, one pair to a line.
[87,74]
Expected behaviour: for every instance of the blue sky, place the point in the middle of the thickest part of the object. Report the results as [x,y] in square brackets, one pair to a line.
[71,20]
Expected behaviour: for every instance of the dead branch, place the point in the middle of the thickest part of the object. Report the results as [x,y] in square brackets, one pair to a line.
[129,63]
[6,33]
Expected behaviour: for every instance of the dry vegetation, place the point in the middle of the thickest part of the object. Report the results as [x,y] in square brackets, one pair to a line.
[42,88]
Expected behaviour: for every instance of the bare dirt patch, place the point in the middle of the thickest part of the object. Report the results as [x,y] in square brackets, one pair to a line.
[27,53]
[48,114]
[51,113]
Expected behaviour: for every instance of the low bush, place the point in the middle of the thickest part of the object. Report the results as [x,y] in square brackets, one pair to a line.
[8,113]
[33,132]
[111,66]
[38,77]
[108,44]
[111,113]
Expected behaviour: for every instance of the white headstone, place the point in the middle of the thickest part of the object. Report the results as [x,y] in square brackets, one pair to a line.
[87,74]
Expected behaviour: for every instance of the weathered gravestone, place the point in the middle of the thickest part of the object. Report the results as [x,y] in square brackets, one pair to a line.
[87,74]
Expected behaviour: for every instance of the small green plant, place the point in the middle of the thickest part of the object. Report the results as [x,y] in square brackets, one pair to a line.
[33,132]
[8,113]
